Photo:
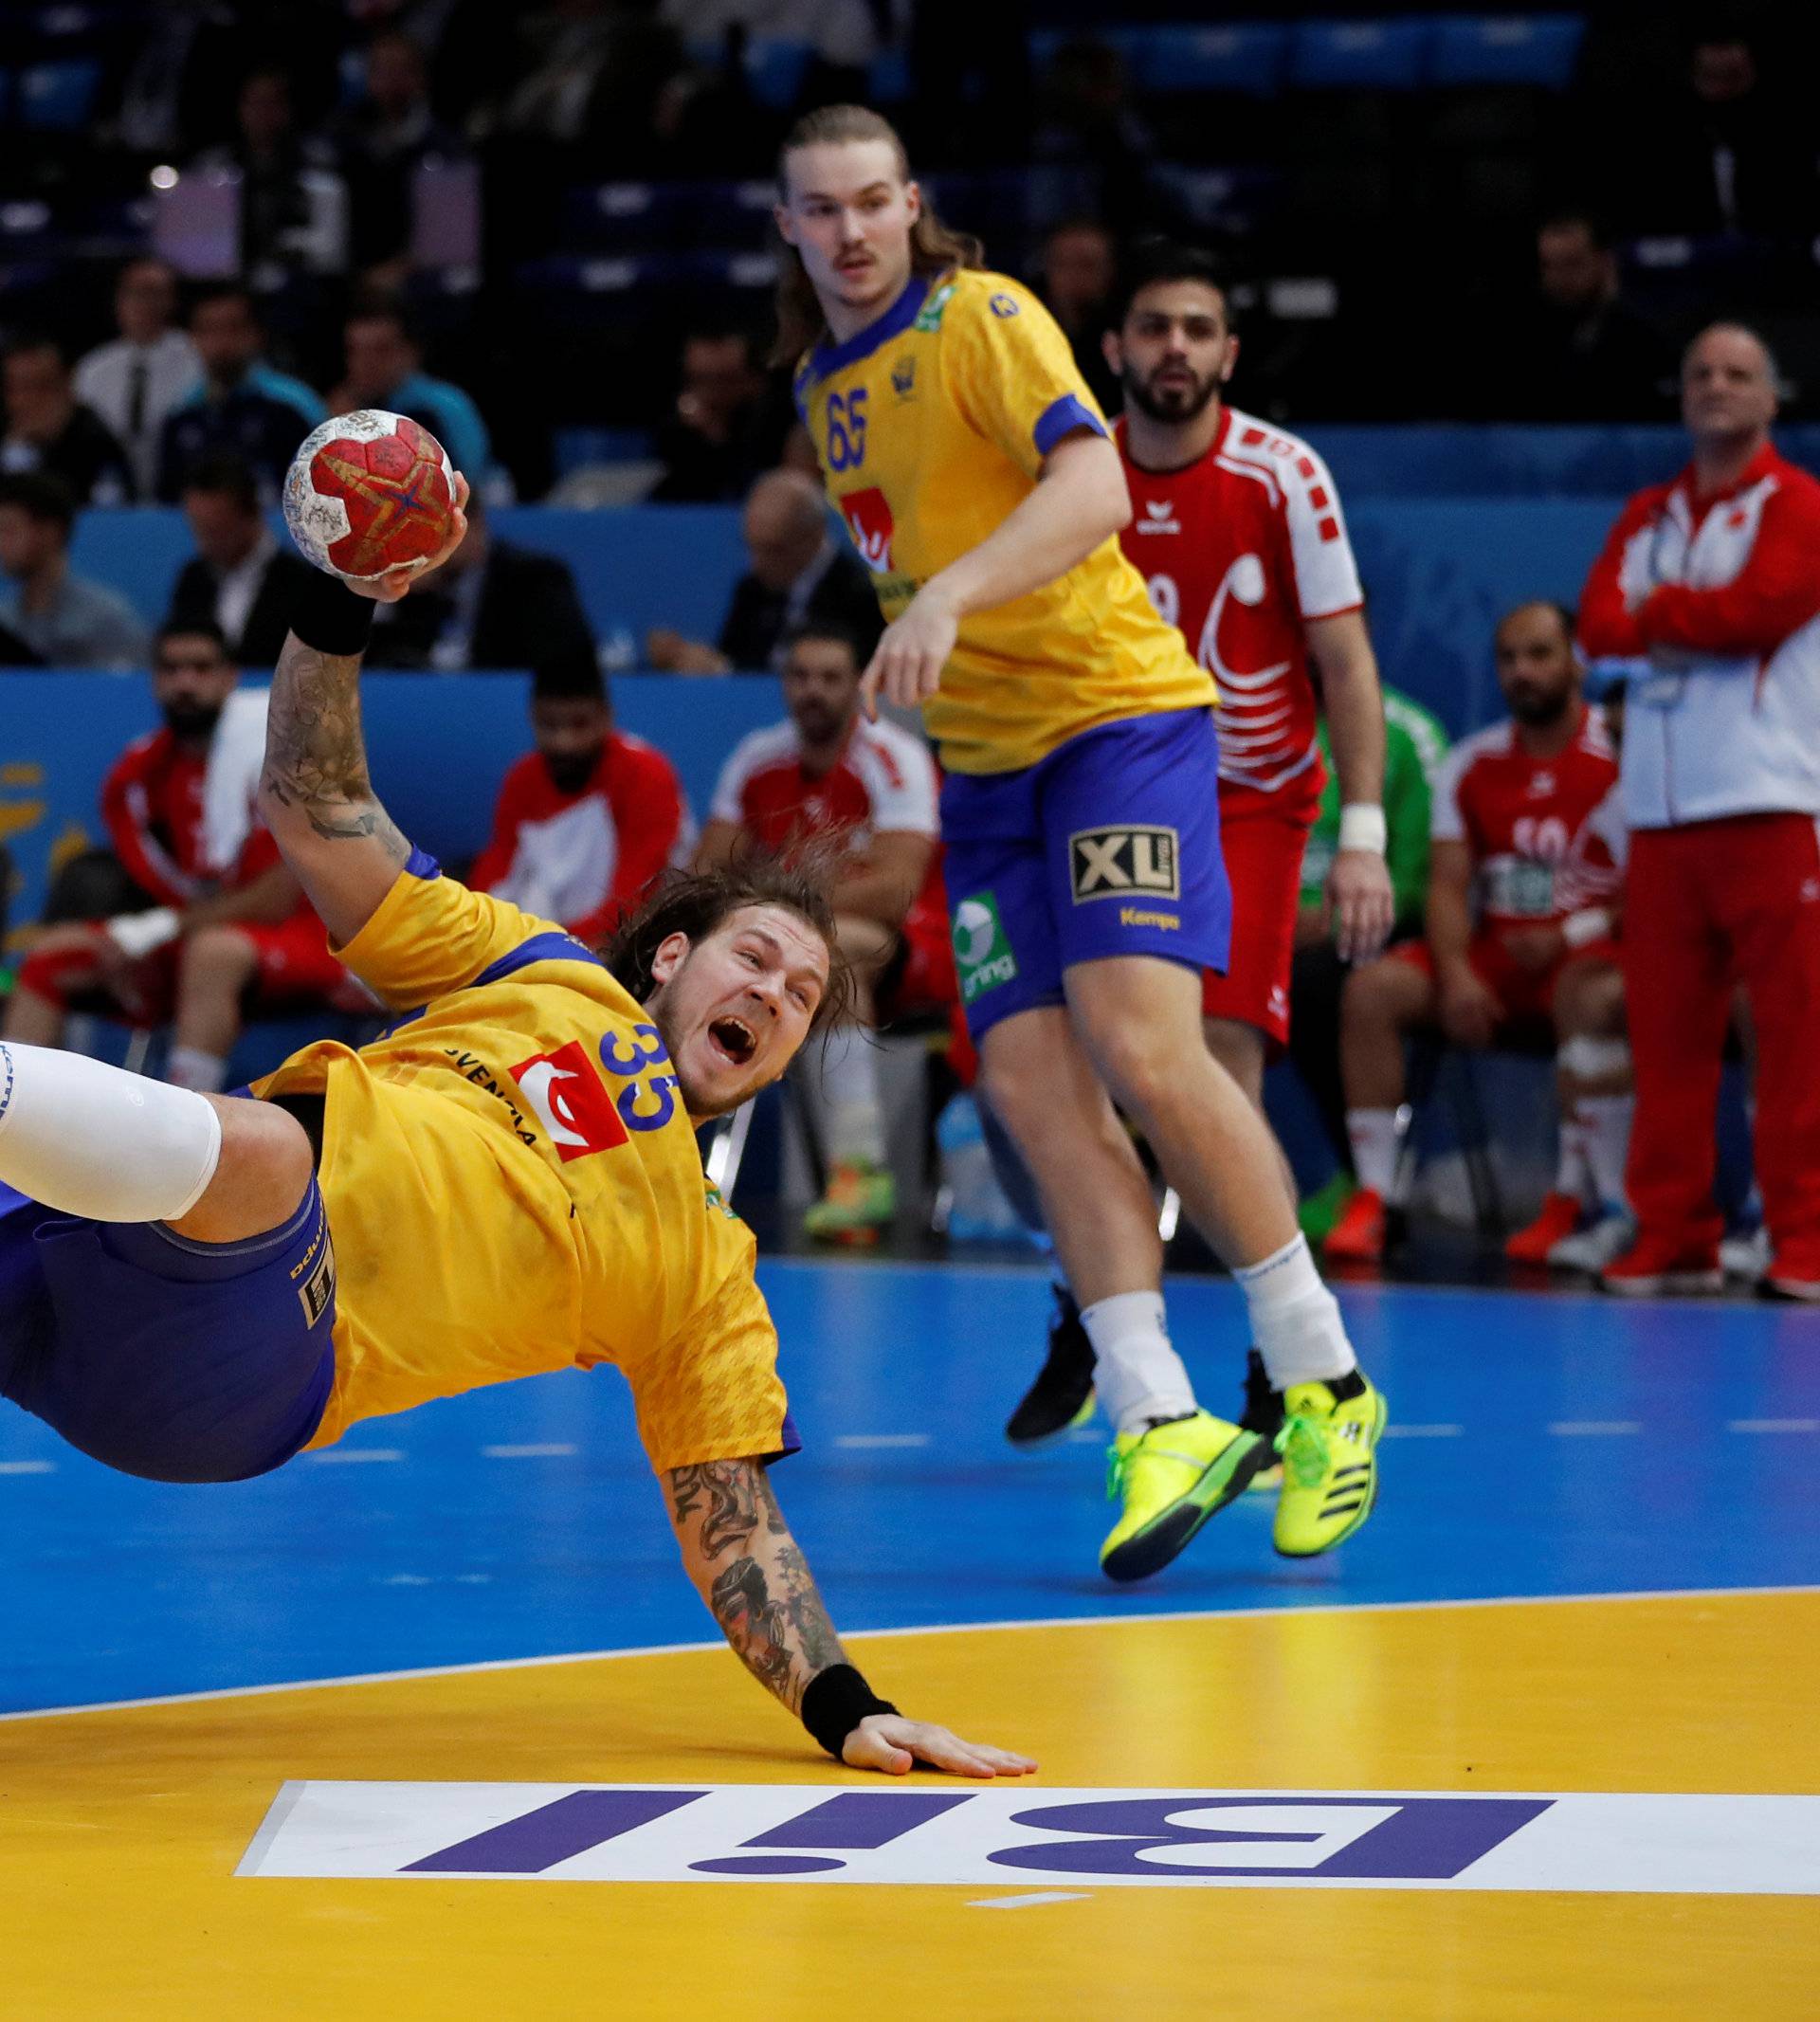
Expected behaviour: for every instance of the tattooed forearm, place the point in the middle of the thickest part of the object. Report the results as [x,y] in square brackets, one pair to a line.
[754,1577]
[734,1497]
[316,759]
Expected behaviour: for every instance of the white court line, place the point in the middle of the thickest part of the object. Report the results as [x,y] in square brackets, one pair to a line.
[882,1439]
[554,1450]
[1774,1425]
[1593,1428]
[928,1628]
[28,1466]
[347,1456]
[1047,1895]
[1393,1431]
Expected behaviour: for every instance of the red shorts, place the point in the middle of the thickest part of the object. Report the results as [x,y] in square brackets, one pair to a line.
[1527,994]
[294,963]
[921,974]
[1263,853]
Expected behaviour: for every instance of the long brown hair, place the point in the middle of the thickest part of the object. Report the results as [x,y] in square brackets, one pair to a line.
[935,247]
[696,903]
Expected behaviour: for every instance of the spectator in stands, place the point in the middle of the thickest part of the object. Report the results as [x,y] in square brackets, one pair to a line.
[51,432]
[1710,582]
[1587,355]
[1090,119]
[382,137]
[62,618]
[730,424]
[586,821]
[1733,156]
[1077,275]
[385,369]
[135,381]
[493,604]
[242,404]
[203,915]
[174,85]
[293,205]
[1524,885]
[241,580]
[827,776]
[1415,745]
[799,574]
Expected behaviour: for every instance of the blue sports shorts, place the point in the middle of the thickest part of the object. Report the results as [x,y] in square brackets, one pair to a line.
[1110,845]
[177,1360]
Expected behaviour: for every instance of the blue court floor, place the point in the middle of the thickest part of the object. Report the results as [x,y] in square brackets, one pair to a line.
[1537,1446]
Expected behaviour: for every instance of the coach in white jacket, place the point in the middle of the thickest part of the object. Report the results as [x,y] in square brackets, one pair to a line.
[1710,585]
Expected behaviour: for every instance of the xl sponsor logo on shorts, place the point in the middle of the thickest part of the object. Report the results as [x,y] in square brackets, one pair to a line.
[1019,1836]
[1125,862]
[982,952]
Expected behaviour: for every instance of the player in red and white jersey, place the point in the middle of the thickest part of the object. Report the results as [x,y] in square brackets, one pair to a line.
[1524,882]
[828,777]
[589,819]
[226,921]
[1237,529]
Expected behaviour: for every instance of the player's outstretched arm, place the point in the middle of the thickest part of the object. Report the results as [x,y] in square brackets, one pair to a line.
[315,792]
[752,1575]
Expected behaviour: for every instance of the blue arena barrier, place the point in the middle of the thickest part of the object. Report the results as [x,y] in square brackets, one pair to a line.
[440,745]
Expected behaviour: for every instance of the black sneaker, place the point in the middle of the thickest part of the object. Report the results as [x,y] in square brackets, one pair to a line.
[1263,1413]
[1063,1392]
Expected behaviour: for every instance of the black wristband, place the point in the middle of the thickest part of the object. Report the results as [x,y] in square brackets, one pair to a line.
[837,1701]
[330,618]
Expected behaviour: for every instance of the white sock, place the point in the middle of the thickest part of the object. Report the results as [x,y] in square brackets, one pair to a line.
[1138,1374]
[851,1090]
[1571,1162]
[1606,1119]
[191,1067]
[1295,1319]
[94,1140]
[1373,1136]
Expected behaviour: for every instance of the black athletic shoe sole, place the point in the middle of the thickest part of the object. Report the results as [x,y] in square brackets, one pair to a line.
[1063,1386]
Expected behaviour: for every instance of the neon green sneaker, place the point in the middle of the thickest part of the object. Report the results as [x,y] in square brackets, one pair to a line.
[860,1200]
[1172,1478]
[1323,1208]
[1329,1448]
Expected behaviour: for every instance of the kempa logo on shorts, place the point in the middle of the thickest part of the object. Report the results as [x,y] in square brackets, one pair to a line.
[982,953]
[1124,863]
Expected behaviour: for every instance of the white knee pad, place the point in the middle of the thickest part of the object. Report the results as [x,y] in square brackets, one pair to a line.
[90,1139]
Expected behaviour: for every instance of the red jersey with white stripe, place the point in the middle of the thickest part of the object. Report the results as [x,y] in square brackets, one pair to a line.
[1717,600]
[582,858]
[884,783]
[1239,550]
[1545,834]
[152,806]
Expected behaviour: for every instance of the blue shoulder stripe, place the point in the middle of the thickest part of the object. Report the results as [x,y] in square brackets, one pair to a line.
[552,947]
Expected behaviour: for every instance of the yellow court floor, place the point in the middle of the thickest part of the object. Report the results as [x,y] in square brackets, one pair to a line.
[122,1829]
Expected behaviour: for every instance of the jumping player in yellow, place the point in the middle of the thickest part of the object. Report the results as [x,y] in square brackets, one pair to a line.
[1083,856]
[507,1181]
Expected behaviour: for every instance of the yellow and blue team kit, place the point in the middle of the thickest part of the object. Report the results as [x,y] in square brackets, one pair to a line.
[508,1185]
[1079,816]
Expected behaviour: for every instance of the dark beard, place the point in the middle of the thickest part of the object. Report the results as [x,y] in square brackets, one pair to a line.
[1539,712]
[569,774]
[194,722]
[1174,410]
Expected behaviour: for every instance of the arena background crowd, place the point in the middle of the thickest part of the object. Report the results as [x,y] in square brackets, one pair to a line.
[545,233]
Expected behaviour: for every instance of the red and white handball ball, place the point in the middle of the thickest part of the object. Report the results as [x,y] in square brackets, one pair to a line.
[368,492]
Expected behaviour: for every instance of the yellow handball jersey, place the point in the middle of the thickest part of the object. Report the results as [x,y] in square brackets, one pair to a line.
[513,1187]
[932,425]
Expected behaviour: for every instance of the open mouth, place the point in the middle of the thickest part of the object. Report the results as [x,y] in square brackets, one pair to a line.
[733,1039]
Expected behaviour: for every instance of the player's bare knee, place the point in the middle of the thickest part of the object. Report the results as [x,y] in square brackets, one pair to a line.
[260,1177]
[218,957]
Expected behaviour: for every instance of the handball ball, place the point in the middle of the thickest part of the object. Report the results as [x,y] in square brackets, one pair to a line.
[368,492]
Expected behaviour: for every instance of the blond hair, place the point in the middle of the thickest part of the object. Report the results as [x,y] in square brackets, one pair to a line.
[935,247]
